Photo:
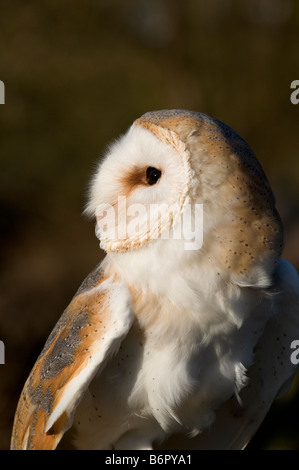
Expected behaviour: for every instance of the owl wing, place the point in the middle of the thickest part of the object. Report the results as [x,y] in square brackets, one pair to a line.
[87,334]
[270,376]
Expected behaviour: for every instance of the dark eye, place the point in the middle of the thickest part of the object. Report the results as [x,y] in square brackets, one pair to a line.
[152,175]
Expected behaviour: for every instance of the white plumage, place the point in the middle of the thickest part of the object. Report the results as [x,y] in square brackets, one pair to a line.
[163,346]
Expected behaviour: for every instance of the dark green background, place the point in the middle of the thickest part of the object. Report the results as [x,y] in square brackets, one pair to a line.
[77,73]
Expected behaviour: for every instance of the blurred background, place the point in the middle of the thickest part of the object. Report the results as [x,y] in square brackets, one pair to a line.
[76,74]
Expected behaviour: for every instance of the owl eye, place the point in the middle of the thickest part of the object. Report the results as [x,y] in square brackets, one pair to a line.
[152,175]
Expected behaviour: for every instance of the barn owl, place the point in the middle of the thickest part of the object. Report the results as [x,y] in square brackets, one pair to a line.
[167,345]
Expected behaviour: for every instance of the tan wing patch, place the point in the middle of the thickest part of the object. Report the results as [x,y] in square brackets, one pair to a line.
[80,342]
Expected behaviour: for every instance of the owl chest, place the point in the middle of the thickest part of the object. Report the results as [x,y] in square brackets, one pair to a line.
[164,383]
[141,373]
[154,378]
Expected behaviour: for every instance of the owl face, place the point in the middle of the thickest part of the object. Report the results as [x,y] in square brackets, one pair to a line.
[140,190]
[167,165]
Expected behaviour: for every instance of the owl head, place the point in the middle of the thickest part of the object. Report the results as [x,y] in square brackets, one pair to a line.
[179,174]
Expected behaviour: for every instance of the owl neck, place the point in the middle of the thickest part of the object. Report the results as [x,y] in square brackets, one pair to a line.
[184,282]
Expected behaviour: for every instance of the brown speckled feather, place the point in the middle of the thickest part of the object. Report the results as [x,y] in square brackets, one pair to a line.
[85,335]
